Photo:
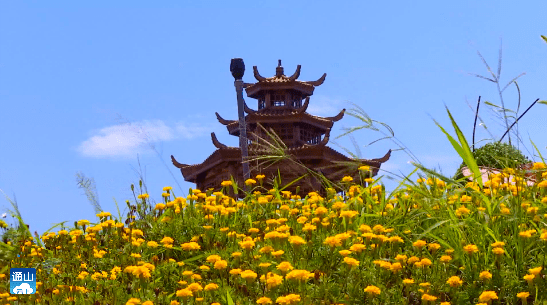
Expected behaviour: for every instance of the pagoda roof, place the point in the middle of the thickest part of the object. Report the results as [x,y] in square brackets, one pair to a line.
[286,114]
[225,153]
[281,81]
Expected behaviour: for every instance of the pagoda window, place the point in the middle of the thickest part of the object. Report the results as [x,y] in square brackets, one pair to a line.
[278,100]
[261,103]
[297,101]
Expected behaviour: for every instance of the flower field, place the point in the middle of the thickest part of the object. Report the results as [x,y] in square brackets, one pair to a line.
[429,242]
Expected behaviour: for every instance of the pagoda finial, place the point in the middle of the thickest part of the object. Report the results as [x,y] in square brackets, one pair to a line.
[279,70]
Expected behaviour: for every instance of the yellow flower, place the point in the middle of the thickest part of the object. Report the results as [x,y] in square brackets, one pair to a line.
[285,266]
[529,277]
[300,275]
[395,267]
[220,264]
[445,258]
[133,301]
[248,275]
[250,182]
[408,281]
[247,245]
[428,297]
[535,271]
[454,281]
[226,183]
[184,293]
[485,275]
[364,168]
[488,296]
[470,249]
[498,251]
[347,179]
[372,290]
[297,240]
[523,295]
[351,261]
[419,244]
[260,177]
[333,241]
[190,246]
[211,286]
[264,300]
[538,165]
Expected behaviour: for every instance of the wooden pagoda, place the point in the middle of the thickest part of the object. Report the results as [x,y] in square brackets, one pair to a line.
[282,104]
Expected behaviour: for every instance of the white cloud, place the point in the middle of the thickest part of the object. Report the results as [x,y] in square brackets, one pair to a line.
[325,106]
[126,140]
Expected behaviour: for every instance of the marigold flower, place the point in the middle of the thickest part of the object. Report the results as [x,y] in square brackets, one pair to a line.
[250,182]
[408,281]
[347,179]
[445,258]
[485,275]
[220,264]
[185,293]
[301,275]
[395,267]
[264,300]
[428,297]
[498,251]
[210,287]
[470,249]
[351,261]
[529,277]
[247,244]
[297,240]
[535,271]
[248,275]
[454,281]
[195,287]
[285,266]
[190,246]
[226,183]
[419,244]
[488,296]
[372,290]
[333,241]
[523,295]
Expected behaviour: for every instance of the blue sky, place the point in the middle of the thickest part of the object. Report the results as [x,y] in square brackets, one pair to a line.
[89,87]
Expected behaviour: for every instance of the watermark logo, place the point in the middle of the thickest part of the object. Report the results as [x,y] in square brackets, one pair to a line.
[22,281]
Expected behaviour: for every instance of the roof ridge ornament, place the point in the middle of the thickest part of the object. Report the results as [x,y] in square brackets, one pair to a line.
[325,138]
[305,106]
[257,75]
[317,82]
[216,142]
[296,74]
[337,117]
[221,120]
[177,164]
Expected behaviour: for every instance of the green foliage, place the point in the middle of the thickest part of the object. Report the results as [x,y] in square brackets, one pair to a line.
[497,155]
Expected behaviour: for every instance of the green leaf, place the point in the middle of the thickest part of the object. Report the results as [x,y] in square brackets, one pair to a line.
[229,298]
[542,160]
[463,150]
[544,38]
